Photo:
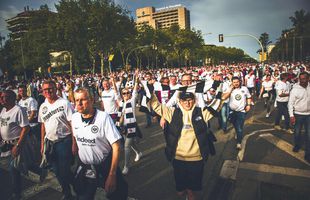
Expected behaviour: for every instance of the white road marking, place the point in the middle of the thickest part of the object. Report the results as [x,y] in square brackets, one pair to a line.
[157,133]
[275,169]
[244,141]
[149,151]
[33,190]
[284,146]
[229,169]
[153,149]
[154,178]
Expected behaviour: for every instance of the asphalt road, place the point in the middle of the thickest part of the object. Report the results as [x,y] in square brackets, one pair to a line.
[266,168]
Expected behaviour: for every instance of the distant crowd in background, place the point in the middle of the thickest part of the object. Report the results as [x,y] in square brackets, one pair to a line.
[238,87]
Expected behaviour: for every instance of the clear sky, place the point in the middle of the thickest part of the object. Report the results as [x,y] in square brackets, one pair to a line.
[210,16]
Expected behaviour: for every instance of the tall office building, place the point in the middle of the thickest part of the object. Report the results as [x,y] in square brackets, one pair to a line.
[160,18]
[19,25]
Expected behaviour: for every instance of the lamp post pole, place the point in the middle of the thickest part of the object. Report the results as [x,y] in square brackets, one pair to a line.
[207,33]
[252,36]
[23,59]
[70,61]
[139,47]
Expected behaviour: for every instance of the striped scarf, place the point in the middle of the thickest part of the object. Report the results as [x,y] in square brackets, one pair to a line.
[200,87]
[126,111]
[164,94]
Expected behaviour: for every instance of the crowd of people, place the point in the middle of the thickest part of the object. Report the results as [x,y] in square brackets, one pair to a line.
[91,119]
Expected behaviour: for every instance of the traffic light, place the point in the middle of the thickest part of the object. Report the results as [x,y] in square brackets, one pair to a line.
[221,38]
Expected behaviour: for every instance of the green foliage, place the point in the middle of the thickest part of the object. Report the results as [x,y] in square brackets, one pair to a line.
[294,43]
[91,30]
[264,39]
[219,54]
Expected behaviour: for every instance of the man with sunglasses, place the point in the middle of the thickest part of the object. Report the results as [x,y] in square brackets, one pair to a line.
[56,135]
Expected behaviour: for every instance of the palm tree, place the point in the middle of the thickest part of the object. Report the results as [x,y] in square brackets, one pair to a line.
[299,21]
[264,39]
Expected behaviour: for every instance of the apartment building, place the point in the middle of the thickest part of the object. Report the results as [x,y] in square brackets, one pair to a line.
[160,18]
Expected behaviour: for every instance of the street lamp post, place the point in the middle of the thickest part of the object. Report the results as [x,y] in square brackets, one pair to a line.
[23,59]
[207,33]
[139,47]
[70,61]
[252,36]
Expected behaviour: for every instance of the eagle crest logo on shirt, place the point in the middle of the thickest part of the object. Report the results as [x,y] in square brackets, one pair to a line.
[94,129]
[238,97]
[44,110]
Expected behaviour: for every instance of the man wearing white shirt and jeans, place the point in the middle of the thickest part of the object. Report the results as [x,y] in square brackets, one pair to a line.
[14,127]
[299,111]
[283,91]
[55,115]
[239,103]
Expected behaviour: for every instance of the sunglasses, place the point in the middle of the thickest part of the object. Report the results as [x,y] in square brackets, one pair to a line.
[124,93]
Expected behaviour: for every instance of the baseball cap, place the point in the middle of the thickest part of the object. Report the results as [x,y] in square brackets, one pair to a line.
[186,95]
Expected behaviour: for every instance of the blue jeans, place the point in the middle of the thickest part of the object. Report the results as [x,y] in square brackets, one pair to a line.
[238,119]
[148,119]
[16,177]
[224,116]
[61,164]
[282,110]
[302,120]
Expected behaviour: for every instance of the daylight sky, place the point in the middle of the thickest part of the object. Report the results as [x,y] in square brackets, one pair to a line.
[228,17]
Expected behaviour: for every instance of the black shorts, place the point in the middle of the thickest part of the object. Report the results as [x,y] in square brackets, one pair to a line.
[251,90]
[188,175]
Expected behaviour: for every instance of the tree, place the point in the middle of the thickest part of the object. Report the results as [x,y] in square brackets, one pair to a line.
[299,20]
[264,39]
[295,42]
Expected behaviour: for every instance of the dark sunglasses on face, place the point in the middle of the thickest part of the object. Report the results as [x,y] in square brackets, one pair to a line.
[124,93]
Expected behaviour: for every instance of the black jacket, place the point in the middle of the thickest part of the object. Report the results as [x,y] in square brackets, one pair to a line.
[204,136]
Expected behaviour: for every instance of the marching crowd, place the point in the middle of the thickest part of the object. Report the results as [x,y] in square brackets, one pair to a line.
[91,119]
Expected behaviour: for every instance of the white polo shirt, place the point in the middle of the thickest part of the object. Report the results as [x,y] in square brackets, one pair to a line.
[238,97]
[94,139]
[12,122]
[56,118]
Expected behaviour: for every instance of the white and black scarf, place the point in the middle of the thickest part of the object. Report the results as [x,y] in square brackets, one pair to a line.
[126,111]
[163,94]
[200,87]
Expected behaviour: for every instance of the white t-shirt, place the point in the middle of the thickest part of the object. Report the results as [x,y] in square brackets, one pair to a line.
[12,122]
[108,98]
[56,118]
[250,80]
[267,85]
[30,104]
[94,139]
[237,100]
[226,88]
[282,87]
